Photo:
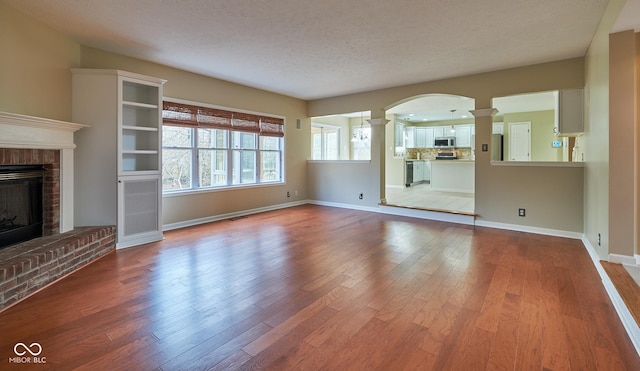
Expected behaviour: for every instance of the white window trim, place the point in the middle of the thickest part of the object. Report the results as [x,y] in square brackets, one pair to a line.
[322,147]
[195,190]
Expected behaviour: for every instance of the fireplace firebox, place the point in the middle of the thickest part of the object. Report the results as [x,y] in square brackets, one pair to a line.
[21,203]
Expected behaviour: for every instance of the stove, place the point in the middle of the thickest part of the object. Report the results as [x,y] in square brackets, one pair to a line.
[446,156]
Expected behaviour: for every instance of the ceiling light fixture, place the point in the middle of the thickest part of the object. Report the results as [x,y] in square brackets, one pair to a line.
[359,134]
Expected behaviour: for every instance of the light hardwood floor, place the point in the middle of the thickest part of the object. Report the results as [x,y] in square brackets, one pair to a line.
[319,288]
[422,197]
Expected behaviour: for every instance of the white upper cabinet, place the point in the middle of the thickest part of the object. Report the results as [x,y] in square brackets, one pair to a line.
[429,137]
[411,136]
[463,136]
[421,137]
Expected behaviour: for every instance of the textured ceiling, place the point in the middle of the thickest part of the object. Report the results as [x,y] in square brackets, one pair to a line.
[316,49]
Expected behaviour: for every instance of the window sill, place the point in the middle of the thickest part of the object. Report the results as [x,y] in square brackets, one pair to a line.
[219,189]
[537,164]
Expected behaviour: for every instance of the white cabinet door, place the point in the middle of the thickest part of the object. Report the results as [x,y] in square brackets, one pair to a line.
[498,128]
[418,172]
[139,214]
[427,171]
[463,136]
[421,137]
[411,136]
[399,135]
[438,131]
[429,137]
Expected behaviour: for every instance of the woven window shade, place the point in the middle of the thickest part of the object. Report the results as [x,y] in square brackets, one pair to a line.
[178,114]
[272,127]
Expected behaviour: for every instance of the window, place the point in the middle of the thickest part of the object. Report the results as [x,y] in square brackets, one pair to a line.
[205,148]
[325,142]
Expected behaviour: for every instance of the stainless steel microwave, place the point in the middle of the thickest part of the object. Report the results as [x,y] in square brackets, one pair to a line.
[444,142]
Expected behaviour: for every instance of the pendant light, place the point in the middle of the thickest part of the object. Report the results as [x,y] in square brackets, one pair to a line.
[453,129]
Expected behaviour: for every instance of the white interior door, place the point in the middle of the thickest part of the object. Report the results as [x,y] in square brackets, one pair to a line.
[520,141]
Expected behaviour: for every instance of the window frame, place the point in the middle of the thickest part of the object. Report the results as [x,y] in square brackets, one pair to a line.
[323,144]
[195,156]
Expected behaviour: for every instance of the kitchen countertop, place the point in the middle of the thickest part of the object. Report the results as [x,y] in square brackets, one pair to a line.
[434,160]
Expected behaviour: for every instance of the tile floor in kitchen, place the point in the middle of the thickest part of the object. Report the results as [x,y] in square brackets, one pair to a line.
[421,196]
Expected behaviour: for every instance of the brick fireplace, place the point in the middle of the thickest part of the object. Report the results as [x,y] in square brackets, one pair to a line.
[50,160]
[29,266]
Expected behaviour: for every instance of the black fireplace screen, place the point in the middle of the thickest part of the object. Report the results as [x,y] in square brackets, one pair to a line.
[21,203]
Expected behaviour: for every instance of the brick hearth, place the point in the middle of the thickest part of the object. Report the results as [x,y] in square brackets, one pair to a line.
[31,265]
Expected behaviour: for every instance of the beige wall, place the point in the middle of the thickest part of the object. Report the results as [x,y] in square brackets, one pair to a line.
[35,76]
[552,196]
[595,141]
[622,142]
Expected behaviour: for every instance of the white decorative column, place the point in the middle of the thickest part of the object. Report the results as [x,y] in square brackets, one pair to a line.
[377,152]
[483,168]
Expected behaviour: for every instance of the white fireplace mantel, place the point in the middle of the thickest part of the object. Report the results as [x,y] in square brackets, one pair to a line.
[29,132]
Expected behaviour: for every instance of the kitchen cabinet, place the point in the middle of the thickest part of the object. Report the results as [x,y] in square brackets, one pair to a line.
[411,136]
[463,136]
[427,171]
[119,156]
[418,171]
[453,176]
[399,135]
[421,137]
[498,128]
[569,113]
[430,137]
[439,131]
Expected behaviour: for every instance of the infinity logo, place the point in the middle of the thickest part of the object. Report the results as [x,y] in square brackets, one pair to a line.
[27,349]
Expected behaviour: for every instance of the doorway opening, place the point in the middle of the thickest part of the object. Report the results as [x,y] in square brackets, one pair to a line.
[431,162]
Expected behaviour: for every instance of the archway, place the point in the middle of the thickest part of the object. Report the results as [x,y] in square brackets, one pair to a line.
[423,170]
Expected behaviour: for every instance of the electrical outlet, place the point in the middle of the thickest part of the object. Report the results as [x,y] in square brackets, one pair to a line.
[288,194]
[361,196]
[295,193]
[521,212]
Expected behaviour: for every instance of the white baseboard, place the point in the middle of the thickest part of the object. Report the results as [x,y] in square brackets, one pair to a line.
[625,316]
[623,259]
[215,218]
[528,229]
